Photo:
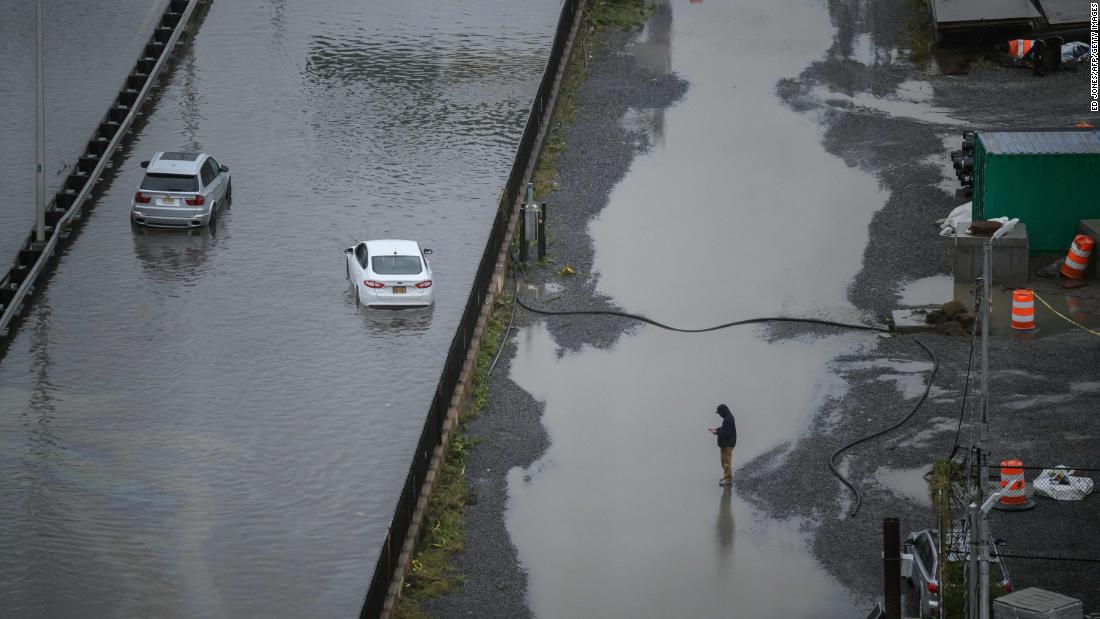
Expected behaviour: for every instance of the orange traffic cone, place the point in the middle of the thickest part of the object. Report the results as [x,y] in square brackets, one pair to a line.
[1013,487]
[1078,257]
[1023,310]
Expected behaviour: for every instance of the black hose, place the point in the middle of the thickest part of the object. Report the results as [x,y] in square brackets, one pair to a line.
[832,458]
[816,321]
[747,321]
[504,336]
[966,389]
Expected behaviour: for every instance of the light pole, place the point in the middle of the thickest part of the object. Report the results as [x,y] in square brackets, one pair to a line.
[40,132]
[979,565]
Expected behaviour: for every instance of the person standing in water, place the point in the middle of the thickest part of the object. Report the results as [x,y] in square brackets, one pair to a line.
[727,438]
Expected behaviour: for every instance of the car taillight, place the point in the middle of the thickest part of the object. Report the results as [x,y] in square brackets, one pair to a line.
[425,284]
[195,201]
[141,198]
[933,587]
[370,283]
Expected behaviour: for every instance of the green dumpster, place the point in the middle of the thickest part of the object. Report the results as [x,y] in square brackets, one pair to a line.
[1049,179]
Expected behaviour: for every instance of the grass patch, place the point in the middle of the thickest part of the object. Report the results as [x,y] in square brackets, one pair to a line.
[600,16]
[945,474]
[433,572]
[922,33]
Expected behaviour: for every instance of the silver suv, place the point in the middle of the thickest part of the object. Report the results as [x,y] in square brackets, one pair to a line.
[181,190]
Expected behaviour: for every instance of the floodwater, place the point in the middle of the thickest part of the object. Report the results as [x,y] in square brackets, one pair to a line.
[933,290]
[907,483]
[78,88]
[742,213]
[203,425]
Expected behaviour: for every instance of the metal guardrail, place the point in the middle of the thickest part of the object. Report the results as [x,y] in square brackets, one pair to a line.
[431,435]
[19,281]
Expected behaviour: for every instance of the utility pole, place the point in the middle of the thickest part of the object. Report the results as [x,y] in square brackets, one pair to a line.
[979,561]
[40,131]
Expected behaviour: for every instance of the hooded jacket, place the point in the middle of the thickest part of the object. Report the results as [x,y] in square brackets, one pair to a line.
[727,433]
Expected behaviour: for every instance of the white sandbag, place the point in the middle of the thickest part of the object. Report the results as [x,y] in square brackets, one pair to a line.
[959,215]
[1075,52]
[1060,484]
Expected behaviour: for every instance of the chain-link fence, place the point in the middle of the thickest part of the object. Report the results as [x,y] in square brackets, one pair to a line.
[1044,531]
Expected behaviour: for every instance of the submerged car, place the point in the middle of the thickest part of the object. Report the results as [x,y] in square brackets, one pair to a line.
[181,190]
[390,273]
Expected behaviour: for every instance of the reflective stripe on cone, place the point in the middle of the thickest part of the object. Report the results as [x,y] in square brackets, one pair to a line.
[1077,259]
[1023,310]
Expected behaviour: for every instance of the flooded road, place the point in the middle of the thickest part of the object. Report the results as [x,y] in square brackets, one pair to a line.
[204,425]
[78,88]
[736,211]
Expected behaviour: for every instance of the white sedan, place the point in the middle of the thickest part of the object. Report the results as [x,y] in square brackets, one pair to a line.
[389,273]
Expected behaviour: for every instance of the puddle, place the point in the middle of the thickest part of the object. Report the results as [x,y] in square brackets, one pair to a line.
[1073,305]
[622,516]
[718,184]
[935,290]
[906,483]
[909,102]
[864,51]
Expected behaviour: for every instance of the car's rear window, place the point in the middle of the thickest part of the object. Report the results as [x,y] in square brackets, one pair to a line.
[170,182]
[395,265]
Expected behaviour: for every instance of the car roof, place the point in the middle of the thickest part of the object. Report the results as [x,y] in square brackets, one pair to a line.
[173,162]
[393,246]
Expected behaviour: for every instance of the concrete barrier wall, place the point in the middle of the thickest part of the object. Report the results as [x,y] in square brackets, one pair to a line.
[455,384]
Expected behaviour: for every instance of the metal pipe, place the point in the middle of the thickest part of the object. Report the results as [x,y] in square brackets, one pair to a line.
[40,131]
[542,231]
[891,566]
[973,515]
[983,429]
[523,233]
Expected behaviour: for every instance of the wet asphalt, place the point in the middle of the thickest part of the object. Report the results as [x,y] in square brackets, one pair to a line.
[881,114]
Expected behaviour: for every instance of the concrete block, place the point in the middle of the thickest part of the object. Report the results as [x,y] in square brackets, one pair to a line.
[1010,257]
[1091,227]
[1034,603]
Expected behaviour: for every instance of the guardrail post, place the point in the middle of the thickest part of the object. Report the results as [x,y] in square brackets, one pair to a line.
[542,232]
[523,233]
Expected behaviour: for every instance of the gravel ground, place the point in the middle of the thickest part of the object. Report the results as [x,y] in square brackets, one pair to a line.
[509,427]
[1046,394]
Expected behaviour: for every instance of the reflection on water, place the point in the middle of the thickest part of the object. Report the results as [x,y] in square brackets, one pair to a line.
[725,526]
[172,254]
[629,473]
[393,323]
[208,427]
[617,518]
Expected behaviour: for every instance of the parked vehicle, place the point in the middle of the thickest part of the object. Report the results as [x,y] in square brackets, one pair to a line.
[389,273]
[181,190]
[921,566]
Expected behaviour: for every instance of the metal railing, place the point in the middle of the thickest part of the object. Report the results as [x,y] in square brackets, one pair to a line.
[20,280]
[431,435]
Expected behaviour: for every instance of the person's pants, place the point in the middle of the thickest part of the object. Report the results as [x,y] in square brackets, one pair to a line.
[727,467]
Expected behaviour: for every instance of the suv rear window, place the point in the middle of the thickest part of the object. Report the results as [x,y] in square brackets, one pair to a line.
[395,265]
[170,182]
